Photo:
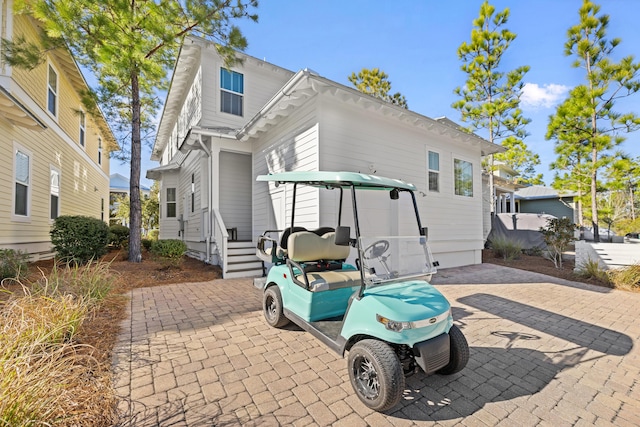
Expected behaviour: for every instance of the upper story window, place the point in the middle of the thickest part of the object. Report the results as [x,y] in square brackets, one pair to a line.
[171,202]
[434,171]
[231,92]
[463,177]
[52,91]
[83,128]
[22,181]
[99,150]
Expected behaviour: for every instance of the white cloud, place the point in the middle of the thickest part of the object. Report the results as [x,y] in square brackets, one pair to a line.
[545,96]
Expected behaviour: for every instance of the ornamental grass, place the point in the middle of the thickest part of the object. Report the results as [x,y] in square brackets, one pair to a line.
[47,378]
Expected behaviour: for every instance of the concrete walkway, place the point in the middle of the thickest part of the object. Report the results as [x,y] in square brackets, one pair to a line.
[543,352]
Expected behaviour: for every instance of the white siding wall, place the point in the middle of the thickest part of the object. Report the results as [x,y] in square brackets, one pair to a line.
[364,141]
[293,147]
[169,227]
[193,225]
[235,192]
[261,82]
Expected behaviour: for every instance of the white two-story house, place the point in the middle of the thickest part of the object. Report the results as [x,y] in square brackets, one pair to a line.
[222,128]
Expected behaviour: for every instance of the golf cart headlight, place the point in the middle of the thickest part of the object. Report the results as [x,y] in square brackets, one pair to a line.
[392,325]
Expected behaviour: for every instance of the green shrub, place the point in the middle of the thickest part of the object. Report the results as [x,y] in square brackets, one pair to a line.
[13,264]
[534,251]
[79,238]
[146,243]
[558,235]
[506,248]
[153,234]
[118,235]
[169,250]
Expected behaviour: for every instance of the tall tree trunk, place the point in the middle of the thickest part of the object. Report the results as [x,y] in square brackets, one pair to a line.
[135,208]
[594,194]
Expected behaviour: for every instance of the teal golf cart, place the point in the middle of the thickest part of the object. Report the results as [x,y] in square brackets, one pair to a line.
[380,308]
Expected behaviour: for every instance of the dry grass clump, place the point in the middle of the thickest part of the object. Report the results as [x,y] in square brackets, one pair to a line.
[46,377]
[627,278]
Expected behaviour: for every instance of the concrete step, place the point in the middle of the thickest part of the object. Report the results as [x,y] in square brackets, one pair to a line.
[243,272]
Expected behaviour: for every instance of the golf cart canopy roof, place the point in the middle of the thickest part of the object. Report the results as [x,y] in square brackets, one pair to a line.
[337,179]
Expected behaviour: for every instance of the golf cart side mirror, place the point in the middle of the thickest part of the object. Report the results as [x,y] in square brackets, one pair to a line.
[394,194]
[343,236]
[425,232]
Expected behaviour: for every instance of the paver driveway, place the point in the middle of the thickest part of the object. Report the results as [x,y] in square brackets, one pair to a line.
[543,352]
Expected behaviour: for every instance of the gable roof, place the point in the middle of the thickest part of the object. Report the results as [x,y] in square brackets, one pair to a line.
[302,86]
[307,83]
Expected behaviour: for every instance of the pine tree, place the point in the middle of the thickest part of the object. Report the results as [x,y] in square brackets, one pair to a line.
[129,46]
[585,127]
[490,98]
[375,82]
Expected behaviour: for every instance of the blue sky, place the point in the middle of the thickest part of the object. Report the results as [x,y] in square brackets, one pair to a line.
[415,43]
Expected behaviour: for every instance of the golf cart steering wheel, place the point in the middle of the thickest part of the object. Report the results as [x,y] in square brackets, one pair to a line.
[376,249]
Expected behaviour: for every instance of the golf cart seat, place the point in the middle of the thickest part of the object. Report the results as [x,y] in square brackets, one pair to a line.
[268,248]
[319,262]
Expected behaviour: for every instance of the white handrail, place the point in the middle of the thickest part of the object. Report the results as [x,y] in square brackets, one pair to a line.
[220,235]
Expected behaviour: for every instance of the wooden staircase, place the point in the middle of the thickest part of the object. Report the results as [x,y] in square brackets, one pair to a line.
[242,260]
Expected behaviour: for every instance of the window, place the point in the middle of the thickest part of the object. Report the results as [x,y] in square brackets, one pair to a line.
[83,127]
[52,92]
[171,203]
[102,208]
[231,92]
[54,190]
[193,193]
[463,177]
[22,179]
[99,150]
[434,171]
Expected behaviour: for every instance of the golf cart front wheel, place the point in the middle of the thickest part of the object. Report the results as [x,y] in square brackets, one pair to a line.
[272,307]
[376,374]
[459,352]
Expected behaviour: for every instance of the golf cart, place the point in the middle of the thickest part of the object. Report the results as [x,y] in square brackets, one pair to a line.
[380,309]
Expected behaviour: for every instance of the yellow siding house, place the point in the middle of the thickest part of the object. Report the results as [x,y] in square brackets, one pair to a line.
[54,157]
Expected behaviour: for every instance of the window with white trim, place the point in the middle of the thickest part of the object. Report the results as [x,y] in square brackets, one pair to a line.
[434,171]
[171,202]
[54,193]
[99,151]
[52,91]
[463,178]
[83,128]
[22,182]
[231,92]
[193,192]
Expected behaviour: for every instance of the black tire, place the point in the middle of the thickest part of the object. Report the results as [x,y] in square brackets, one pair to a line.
[376,374]
[272,307]
[459,352]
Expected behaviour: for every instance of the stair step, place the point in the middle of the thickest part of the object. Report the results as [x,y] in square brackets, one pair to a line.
[232,265]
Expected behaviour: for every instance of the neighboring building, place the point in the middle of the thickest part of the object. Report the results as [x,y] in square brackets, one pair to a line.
[504,187]
[545,200]
[120,186]
[54,157]
[221,128]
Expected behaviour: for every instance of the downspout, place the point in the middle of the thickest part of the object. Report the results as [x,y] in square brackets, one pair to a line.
[209,198]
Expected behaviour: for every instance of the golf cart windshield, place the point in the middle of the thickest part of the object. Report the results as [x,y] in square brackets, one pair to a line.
[392,258]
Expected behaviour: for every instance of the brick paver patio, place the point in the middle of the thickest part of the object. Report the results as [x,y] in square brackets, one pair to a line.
[543,352]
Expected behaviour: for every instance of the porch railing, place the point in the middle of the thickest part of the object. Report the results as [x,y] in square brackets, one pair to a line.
[221,239]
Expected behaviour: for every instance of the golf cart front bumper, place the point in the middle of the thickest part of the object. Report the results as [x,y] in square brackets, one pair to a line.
[433,354]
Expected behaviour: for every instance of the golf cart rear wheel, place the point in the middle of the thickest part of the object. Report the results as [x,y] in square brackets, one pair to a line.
[459,352]
[376,374]
[272,306]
